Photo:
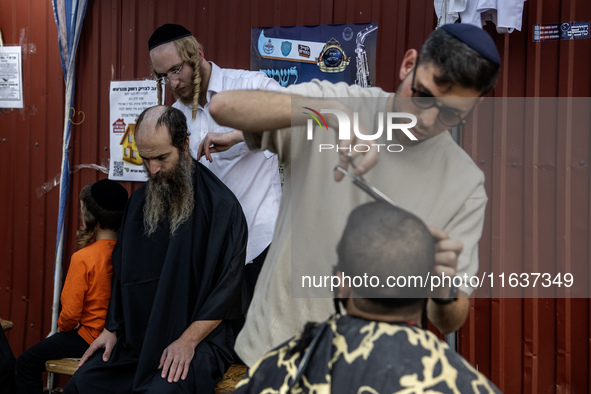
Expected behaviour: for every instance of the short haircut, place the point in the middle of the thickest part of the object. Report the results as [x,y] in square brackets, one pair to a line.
[457,63]
[174,121]
[382,240]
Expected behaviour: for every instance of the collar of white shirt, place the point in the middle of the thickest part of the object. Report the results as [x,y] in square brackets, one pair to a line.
[215,81]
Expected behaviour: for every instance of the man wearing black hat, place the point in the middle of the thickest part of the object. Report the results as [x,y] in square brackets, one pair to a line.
[420,168]
[177,275]
[178,62]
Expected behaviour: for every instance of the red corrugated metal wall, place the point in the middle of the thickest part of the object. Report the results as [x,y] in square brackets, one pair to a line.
[537,180]
[30,145]
[538,189]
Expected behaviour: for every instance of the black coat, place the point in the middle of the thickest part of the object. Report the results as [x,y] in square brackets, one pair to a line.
[163,283]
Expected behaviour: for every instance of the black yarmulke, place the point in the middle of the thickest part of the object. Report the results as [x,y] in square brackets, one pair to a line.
[476,38]
[167,33]
[109,195]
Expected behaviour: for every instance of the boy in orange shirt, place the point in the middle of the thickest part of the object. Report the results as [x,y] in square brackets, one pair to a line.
[87,289]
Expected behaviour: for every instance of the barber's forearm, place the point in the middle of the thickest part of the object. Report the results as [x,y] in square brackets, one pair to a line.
[251,110]
[198,330]
[450,317]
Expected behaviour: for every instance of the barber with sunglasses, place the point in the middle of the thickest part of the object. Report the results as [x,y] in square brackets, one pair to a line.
[431,176]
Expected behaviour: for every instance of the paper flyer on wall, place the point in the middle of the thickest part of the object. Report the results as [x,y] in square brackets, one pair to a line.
[11,77]
[127,101]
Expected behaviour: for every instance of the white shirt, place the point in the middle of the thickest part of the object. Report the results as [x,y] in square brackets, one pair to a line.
[505,14]
[252,177]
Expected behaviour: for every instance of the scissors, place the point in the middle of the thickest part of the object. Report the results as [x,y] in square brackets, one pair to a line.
[374,192]
[366,187]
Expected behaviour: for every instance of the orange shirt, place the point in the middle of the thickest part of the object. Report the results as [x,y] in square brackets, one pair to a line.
[86,292]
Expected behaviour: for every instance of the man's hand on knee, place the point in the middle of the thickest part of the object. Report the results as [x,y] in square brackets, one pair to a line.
[106,341]
[176,360]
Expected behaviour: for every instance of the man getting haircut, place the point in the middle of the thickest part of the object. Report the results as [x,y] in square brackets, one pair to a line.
[378,346]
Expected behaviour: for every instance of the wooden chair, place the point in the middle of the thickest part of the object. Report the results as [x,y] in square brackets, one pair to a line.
[230,379]
[6,325]
[67,366]
[64,366]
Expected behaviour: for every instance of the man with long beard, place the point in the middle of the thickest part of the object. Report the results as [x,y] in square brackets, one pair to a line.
[177,274]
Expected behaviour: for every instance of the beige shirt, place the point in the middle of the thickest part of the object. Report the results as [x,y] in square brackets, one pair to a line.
[436,180]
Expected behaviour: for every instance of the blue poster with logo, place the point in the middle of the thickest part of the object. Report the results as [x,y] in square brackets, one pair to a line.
[337,53]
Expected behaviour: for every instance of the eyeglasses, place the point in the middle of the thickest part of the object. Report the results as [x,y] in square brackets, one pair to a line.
[170,75]
[425,100]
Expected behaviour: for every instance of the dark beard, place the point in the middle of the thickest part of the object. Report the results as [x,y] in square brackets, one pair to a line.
[169,196]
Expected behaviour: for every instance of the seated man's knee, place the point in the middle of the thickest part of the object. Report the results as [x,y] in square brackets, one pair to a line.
[83,377]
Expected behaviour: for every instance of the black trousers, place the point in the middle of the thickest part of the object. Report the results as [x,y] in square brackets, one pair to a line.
[31,364]
[6,366]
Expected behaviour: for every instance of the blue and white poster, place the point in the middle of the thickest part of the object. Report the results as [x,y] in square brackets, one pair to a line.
[337,53]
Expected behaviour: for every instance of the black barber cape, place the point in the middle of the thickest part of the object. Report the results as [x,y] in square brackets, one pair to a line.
[162,284]
[351,355]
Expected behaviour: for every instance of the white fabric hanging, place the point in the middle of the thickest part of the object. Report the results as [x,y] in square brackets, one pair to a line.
[507,15]
[471,14]
[448,10]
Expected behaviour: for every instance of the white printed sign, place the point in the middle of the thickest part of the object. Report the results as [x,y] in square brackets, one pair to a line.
[128,99]
[11,77]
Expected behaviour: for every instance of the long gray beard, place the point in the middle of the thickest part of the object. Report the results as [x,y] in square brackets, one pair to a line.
[171,200]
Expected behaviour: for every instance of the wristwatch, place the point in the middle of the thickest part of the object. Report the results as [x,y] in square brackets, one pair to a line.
[453,296]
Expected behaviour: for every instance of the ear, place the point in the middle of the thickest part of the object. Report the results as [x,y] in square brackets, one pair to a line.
[408,63]
[201,53]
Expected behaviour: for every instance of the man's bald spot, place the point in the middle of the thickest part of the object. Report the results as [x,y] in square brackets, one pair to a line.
[148,121]
[163,118]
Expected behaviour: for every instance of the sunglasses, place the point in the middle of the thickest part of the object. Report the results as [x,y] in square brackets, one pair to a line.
[425,100]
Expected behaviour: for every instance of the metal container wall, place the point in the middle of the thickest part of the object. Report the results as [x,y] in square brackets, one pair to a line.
[537,178]
[30,155]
